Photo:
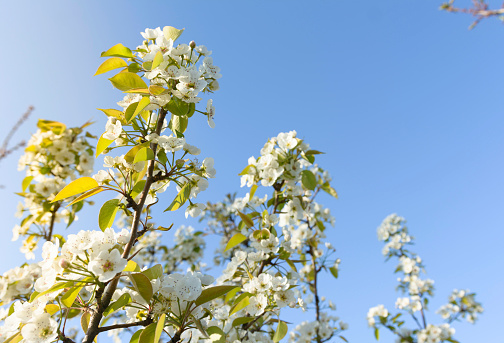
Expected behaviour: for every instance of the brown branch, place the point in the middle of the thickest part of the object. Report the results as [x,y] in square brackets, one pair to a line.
[97,316]
[126,325]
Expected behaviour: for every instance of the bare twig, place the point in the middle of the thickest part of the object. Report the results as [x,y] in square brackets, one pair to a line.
[5,150]
[480,10]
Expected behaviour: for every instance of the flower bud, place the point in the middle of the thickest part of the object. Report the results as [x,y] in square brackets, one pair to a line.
[192,44]
[64,263]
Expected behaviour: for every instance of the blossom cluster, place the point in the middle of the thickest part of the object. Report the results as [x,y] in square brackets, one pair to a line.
[55,156]
[275,230]
[394,232]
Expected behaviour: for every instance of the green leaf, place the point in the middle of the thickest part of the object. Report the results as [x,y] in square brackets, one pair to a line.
[253,189]
[178,107]
[212,293]
[308,180]
[142,285]
[125,81]
[172,33]
[122,301]
[181,198]
[246,219]
[158,59]
[107,214]
[159,328]
[75,187]
[230,295]
[178,124]
[111,64]
[280,332]
[216,334]
[240,303]
[377,334]
[154,272]
[102,144]
[139,108]
[148,334]
[334,272]
[235,240]
[242,320]
[144,154]
[136,336]
[118,50]
[26,182]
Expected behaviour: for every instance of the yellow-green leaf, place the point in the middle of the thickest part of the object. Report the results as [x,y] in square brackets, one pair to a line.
[111,112]
[49,125]
[242,320]
[157,90]
[122,301]
[308,180]
[118,50]
[111,64]
[158,59]
[154,272]
[102,144]
[107,214]
[86,195]
[253,189]
[246,219]
[143,91]
[179,123]
[235,240]
[142,285]
[69,297]
[181,198]
[329,190]
[132,266]
[172,33]
[52,308]
[280,332]
[246,169]
[240,303]
[216,334]
[126,81]
[159,327]
[212,293]
[136,336]
[26,182]
[54,288]
[84,321]
[75,187]
[130,155]
[141,105]
[148,334]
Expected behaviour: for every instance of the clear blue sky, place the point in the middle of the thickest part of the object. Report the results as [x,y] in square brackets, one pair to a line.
[404,100]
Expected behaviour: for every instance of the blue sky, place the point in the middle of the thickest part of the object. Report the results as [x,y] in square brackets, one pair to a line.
[402,98]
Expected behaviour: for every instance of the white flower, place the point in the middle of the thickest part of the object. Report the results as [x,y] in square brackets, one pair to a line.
[210,112]
[42,329]
[107,264]
[113,129]
[194,210]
